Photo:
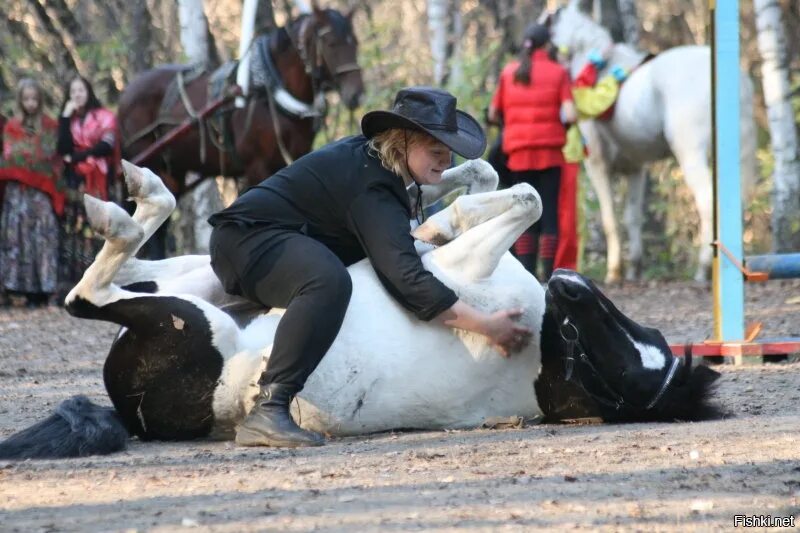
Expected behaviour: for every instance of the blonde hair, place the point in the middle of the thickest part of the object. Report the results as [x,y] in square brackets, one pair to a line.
[391,147]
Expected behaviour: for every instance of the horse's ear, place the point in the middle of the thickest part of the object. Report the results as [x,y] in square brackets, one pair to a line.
[545,18]
[350,13]
[315,8]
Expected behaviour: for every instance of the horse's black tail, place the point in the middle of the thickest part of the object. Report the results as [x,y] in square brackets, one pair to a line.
[77,428]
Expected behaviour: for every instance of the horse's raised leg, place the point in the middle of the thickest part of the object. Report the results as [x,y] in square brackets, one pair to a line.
[465,212]
[488,225]
[154,202]
[476,175]
[123,237]
[599,176]
[634,219]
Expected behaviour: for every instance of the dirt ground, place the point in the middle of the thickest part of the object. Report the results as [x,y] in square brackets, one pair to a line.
[661,477]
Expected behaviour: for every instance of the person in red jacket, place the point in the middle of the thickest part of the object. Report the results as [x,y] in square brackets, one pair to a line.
[534,99]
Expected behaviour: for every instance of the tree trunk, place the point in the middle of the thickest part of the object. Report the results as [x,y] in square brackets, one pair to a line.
[455,76]
[140,54]
[630,22]
[783,132]
[607,13]
[437,30]
[194,30]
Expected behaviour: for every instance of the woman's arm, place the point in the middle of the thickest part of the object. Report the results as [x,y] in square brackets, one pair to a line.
[501,327]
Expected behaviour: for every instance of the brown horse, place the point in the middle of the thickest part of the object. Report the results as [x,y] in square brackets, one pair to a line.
[313,54]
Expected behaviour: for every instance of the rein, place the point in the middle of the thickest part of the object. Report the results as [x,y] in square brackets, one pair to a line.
[569,333]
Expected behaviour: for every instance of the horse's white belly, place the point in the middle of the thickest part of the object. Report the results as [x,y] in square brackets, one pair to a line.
[387,369]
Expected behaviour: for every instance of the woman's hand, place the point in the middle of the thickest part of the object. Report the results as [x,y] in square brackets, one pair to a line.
[69,108]
[501,327]
[505,332]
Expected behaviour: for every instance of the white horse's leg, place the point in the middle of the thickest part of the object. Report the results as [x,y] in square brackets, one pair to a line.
[464,213]
[598,174]
[123,237]
[698,177]
[154,202]
[489,226]
[634,219]
[190,274]
[477,175]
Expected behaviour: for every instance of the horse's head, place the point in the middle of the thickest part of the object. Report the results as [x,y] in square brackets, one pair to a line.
[618,369]
[329,48]
[573,30]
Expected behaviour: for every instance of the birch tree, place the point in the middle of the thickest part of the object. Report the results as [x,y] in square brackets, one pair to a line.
[437,29]
[445,28]
[194,30]
[782,128]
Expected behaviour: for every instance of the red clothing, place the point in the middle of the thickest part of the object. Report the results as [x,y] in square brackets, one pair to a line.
[31,159]
[97,125]
[533,134]
[567,250]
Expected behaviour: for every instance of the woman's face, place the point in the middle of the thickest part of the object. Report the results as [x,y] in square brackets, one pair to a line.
[78,93]
[30,100]
[427,161]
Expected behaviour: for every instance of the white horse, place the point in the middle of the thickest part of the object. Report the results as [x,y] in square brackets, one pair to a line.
[664,107]
[187,360]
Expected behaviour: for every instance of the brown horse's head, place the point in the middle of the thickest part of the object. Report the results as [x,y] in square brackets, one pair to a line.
[330,46]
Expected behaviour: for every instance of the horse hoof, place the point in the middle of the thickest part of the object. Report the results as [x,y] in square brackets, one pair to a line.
[142,182]
[110,221]
[434,233]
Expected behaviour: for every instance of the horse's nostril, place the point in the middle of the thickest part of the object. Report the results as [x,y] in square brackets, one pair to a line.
[571,292]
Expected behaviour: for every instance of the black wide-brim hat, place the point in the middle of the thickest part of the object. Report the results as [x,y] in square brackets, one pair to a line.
[433,111]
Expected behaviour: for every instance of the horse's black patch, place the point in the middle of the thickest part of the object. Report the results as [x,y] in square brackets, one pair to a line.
[162,372]
[147,287]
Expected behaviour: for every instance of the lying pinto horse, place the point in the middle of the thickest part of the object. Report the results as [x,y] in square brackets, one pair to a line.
[188,357]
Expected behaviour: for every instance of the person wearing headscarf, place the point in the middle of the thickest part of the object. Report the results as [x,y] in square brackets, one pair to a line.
[28,223]
[287,243]
[88,141]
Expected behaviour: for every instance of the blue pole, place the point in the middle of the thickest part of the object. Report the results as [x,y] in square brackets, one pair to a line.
[729,293]
[777,266]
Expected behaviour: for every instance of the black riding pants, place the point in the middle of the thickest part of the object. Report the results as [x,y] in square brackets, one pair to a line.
[286,269]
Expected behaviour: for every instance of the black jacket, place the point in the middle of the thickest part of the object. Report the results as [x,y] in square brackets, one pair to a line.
[341,196]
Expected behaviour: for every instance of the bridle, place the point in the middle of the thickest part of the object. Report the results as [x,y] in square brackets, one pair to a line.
[312,52]
[569,333]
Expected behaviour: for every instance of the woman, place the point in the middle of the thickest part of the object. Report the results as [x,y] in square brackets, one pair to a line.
[287,242]
[534,100]
[28,225]
[88,141]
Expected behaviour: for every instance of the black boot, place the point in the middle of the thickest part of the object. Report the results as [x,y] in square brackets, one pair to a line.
[270,424]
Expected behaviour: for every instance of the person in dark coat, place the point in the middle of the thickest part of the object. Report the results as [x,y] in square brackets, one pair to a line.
[287,243]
